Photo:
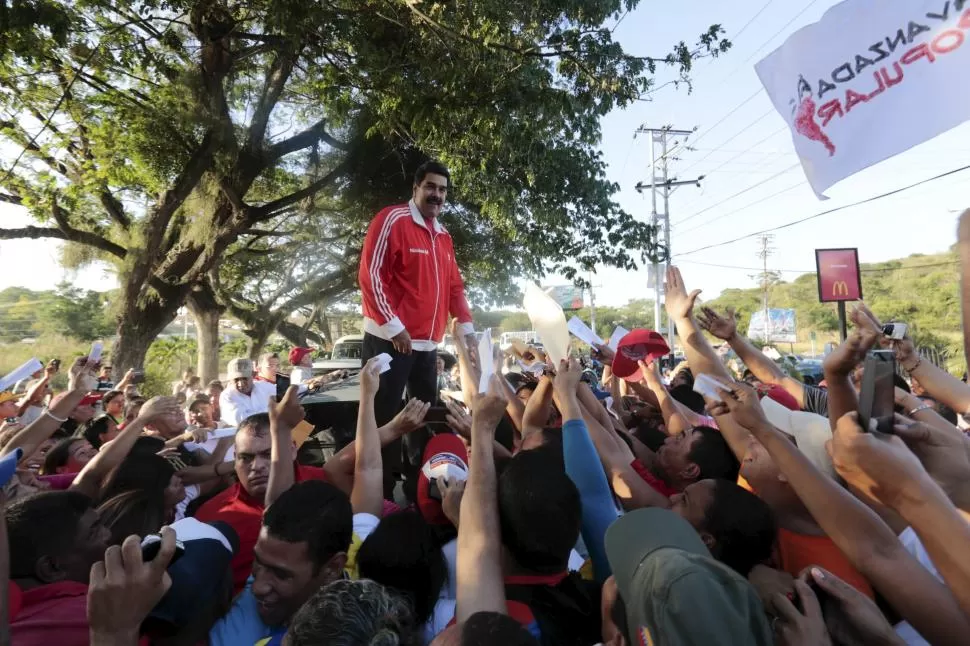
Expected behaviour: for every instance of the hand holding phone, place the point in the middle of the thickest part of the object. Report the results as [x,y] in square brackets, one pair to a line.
[877,396]
[94,357]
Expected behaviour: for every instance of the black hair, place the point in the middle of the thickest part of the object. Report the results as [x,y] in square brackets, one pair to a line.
[58,455]
[131,404]
[196,401]
[489,628]
[94,429]
[146,445]
[43,524]
[899,382]
[688,397]
[743,526]
[138,512]
[403,554]
[312,512]
[142,472]
[713,456]
[108,396]
[539,511]
[431,168]
[257,424]
[945,412]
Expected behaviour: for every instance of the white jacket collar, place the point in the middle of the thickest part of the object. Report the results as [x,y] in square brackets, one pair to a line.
[419,219]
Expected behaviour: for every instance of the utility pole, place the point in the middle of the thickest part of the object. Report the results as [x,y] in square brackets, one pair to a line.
[662,185]
[764,251]
[592,304]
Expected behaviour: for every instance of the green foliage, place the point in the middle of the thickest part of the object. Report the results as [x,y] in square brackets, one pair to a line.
[922,291]
[67,312]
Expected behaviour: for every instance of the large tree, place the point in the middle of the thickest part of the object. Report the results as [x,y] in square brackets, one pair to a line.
[157,133]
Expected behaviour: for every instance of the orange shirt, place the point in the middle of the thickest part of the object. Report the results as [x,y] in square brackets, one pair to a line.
[795,552]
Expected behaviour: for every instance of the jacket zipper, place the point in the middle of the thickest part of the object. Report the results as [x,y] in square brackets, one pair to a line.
[437,282]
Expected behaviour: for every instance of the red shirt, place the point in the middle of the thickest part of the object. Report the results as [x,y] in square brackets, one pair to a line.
[56,613]
[245,515]
[659,485]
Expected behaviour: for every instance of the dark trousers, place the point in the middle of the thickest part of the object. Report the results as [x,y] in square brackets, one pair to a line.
[416,373]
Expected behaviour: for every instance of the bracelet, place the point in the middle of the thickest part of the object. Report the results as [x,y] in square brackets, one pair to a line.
[919,362]
[55,417]
[919,409]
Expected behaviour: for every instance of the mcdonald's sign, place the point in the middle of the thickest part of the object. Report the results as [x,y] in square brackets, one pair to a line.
[839,278]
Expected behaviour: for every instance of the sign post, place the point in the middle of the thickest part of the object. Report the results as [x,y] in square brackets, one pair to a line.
[839,280]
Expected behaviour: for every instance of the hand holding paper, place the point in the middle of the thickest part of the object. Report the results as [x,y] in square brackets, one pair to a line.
[581,331]
[384,361]
[486,358]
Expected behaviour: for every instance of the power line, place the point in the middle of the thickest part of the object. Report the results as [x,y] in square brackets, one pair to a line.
[733,137]
[741,192]
[753,18]
[728,115]
[743,208]
[828,212]
[775,35]
[864,270]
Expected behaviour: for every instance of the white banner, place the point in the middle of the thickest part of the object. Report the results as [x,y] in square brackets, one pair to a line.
[871,79]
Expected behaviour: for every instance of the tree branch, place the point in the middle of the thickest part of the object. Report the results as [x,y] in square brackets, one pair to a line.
[276,77]
[310,136]
[271,209]
[73,235]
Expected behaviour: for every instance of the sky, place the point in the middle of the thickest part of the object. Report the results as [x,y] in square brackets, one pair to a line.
[741,146]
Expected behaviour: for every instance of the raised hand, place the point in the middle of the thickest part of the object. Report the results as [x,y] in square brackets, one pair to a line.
[123,588]
[678,303]
[370,378]
[159,407]
[452,492]
[723,327]
[412,416]
[851,617]
[458,420]
[82,376]
[569,375]
[742,400]
[490,407]
[286,414]
[844,359]
[651,372]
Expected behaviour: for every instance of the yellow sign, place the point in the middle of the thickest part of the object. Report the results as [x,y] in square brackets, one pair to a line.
[840,288]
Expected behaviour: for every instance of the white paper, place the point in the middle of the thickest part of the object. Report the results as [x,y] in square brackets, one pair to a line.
[548,321]
[708,387]
[581,331]
[95,356]
[28,368]
[618,335]
[383,362]
[869,80]
[486,359]
[209,446]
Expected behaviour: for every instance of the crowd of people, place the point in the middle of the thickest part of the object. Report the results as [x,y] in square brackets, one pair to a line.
[597,501]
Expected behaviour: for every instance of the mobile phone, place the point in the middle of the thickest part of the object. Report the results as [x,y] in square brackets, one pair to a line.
[282,385]
[151,544]
[436,415]
[895,331]
[137,377]
[877,397]
[94,356]
[433,492]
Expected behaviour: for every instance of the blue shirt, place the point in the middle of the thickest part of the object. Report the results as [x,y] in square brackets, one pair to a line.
[242,625]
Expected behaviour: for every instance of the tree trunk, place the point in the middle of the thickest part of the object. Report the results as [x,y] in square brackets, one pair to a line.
[137,328]
[206,310]
[258,336]
[299,336]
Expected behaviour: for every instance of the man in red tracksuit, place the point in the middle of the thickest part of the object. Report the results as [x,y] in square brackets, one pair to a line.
[410,283]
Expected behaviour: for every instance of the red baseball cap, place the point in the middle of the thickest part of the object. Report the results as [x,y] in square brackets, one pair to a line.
[445,456]
[780,395]
[297,354]
[638,345]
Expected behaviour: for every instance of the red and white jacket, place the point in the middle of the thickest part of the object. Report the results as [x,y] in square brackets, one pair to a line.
[409,278]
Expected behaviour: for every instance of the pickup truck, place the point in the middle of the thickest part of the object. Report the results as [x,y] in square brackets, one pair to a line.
[346,355]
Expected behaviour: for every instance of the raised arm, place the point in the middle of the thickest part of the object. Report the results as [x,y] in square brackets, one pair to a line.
[284,416]
[584,469]
[866,541]
[838,367]
[92,476]
[340,468]
[680,309]
[674,419]
[479,576]
[29,438]
[538,409]
[367,496]
[764,369]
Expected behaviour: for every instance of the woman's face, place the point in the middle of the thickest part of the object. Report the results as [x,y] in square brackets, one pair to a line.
[80,453]
[175,491]
[36,461]
[115,407]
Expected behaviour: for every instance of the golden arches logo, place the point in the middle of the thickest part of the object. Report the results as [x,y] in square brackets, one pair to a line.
[840,288]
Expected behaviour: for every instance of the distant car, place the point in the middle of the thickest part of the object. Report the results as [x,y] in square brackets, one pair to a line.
[811,371]
[346,355]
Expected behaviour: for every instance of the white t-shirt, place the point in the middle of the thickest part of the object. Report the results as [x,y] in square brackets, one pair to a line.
[235,406]
[300,375]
